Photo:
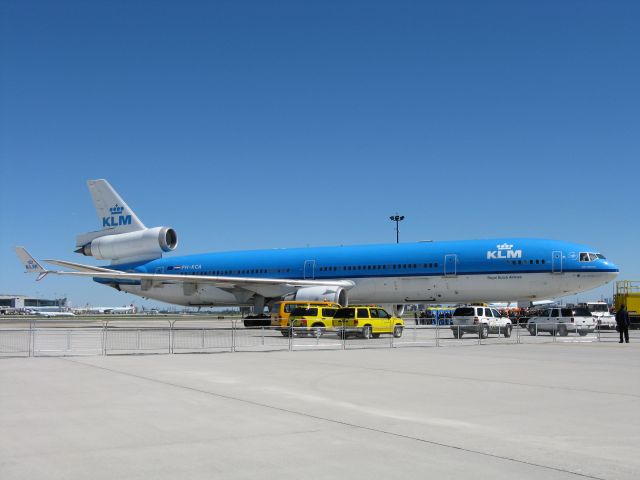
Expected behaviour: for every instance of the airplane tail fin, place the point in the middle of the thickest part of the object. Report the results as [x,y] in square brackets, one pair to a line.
[113,212]
[31,265]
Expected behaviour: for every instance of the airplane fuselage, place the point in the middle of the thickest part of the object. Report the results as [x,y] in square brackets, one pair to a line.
[503,269]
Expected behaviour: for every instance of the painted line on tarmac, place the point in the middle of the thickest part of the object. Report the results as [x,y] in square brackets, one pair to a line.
[333,421]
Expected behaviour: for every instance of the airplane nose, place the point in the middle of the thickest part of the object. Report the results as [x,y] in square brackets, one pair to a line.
[611,269]
[612,276]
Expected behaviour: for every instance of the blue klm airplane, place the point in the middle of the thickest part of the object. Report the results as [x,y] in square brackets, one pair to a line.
[500,269]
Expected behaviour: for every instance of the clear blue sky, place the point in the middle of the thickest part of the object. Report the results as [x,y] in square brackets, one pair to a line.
[250,124]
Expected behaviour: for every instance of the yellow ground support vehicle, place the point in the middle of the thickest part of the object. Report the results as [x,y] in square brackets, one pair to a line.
[366,321]
[312,320]
[628,294]
[280,312]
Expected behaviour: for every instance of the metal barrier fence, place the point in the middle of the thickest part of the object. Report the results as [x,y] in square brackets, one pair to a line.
[188,336]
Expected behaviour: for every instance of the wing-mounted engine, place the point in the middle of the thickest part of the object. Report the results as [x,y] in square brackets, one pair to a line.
[397,309]
[320,294]
[146,244]
[123,238]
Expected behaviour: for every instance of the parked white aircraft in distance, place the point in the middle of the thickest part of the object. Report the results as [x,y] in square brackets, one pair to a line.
[494,270]
[48,312]
[114,310]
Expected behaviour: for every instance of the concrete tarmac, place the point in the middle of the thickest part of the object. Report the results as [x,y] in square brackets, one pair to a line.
[553,411]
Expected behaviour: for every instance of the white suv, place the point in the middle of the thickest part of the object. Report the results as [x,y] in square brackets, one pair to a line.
[562,321]
[479,320]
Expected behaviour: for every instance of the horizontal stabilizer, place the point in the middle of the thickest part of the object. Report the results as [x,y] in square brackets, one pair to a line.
[31,265]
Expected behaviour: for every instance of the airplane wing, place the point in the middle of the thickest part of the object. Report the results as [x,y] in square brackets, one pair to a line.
[80,270]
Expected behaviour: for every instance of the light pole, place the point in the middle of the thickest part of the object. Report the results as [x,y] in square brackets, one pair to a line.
[397,218]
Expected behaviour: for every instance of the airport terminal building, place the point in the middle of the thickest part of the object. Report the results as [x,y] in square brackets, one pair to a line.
[23,301]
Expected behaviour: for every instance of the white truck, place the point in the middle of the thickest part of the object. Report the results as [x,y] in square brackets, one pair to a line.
[601,315]
[562,321]
[479,320]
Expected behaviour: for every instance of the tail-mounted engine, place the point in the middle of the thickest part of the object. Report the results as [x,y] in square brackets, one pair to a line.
[145,244]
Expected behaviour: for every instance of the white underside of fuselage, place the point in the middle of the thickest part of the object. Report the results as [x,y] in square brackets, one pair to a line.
[398,290]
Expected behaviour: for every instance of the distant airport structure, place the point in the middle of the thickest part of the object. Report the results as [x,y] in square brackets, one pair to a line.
[19,302]
[32,305]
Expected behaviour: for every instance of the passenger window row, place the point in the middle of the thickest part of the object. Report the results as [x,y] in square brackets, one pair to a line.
[258,271]
[252,271]
[394,266]
[528,262]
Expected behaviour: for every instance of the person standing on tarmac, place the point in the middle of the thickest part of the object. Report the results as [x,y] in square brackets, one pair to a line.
[622,320]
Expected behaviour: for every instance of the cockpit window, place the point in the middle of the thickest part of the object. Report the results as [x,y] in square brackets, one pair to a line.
[590,257]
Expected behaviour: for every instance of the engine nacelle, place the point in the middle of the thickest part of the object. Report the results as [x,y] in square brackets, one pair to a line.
[398,310]
[142,244]
[321,294]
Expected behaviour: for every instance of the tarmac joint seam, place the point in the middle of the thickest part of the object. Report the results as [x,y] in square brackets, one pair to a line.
[334,421]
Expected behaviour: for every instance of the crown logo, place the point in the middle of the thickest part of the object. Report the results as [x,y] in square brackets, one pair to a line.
[116,209]
[505,246]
